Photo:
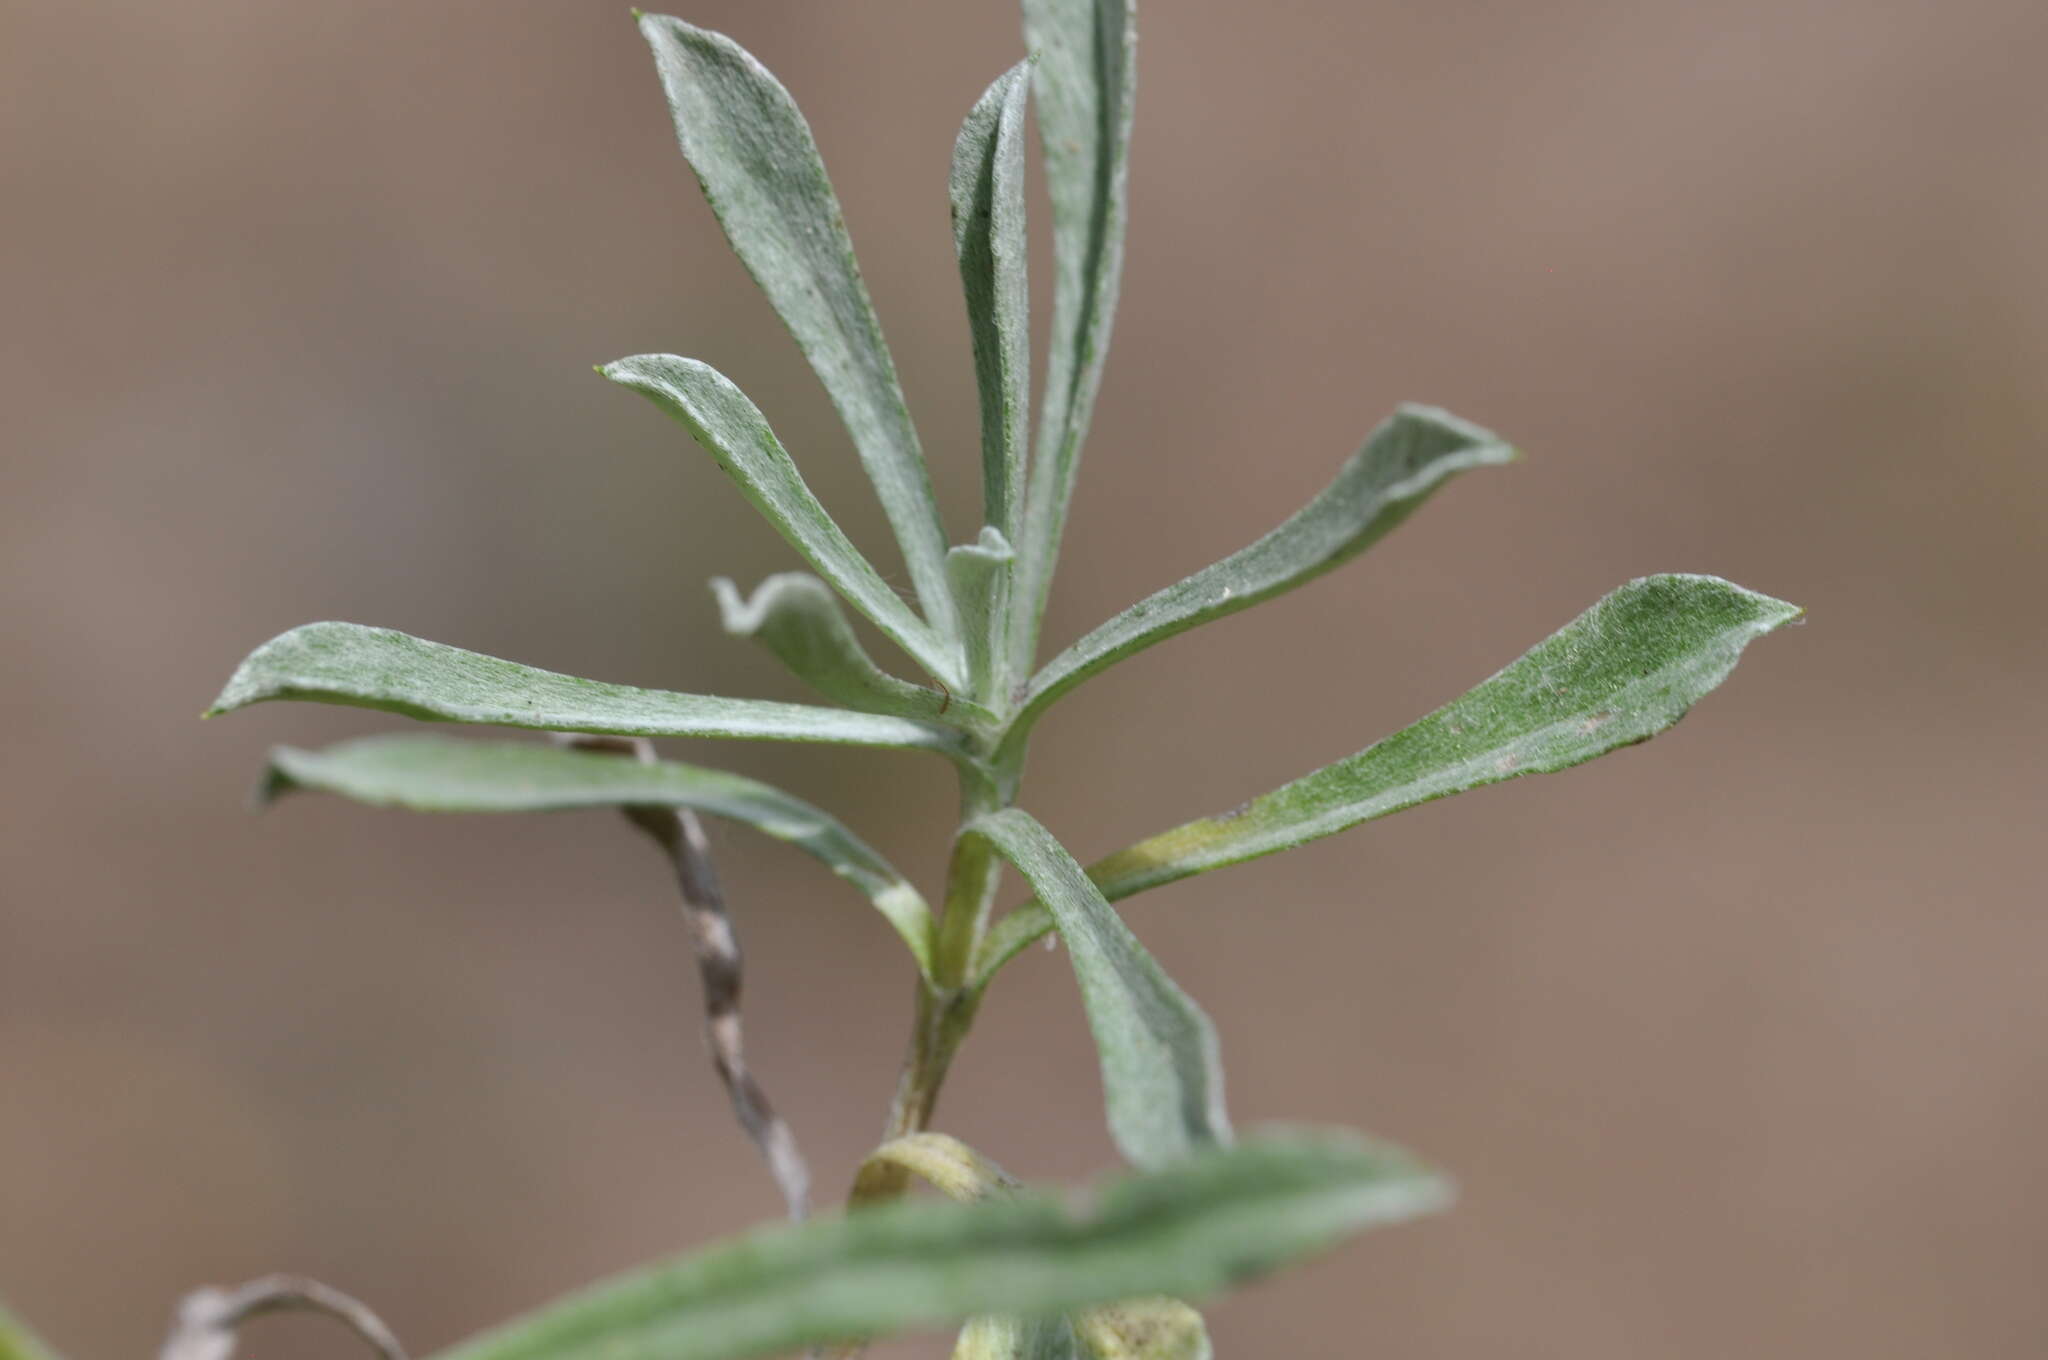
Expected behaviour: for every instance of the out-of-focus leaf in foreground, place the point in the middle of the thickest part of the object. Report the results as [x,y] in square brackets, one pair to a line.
[1218,1217]
[998,1336]
[1152,1328]
[1136,1329]
[17,1342]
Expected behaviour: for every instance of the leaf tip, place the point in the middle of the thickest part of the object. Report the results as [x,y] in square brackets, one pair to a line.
[669,379]
[989,546]
[1785,611]
[648,23]
[670,36]
[275,781]
[272,670]
[241,690]
[736,614]
[634,370]
[1764,613]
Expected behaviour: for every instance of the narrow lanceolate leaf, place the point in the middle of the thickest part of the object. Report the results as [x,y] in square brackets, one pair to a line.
[1162,1070]
[760,170]
[1086,80]
[798,619]
[439,774]
[1404,460]
[17,1342]
[734,432]
[1620,673]
[347,663]
[1220,1217]
[988,235]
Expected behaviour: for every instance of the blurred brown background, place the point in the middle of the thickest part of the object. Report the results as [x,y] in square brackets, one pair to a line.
[1737,1042]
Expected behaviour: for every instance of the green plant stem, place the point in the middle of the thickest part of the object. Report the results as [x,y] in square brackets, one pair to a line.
[971,882]
[942,1022]
[946,1004]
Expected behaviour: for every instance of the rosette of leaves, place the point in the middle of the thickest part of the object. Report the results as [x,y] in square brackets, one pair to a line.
[968,688]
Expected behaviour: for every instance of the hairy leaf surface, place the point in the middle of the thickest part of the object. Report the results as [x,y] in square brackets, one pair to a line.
[1409,456]
[1086,82]
[761,173]
[798,619]
[733,431]
[983,572]
[1620,673]
[347,663]
[1162,1069]
[987,189]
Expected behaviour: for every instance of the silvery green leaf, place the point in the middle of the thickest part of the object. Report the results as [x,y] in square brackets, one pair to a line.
[441,774]
[796,617]
[761,173]
[1222,1216]
[982,574]
[736,435]
[1409,456]
[1150,1328]
[1162,1069]
[1620,673]
[1086,82]
[987,190]
[347,663]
